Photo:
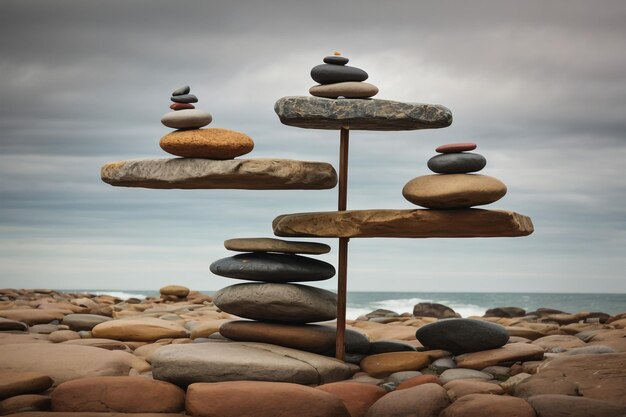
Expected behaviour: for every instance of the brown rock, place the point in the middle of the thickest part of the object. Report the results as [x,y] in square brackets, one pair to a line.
[143,329]
[261,244]
[419,380]
[357,397]
[567,406]
[175,290]
[79,322]
[124,394]
[559,341]
[108,344]
[350,89]
[524,332]
[91,414]
[24,403]
[434,310]
[482,405]
[14,383]
[12,325]
[453,191]
[33,316]
[63,336]
[462,387]
[261,399]
[508,353]
[378,331]
[548,382]
[422,401]
[11,339]
[404,223]
[384,364]
[212,143]
[182,106]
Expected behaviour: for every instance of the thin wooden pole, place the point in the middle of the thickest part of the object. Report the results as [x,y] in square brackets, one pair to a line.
[343,247]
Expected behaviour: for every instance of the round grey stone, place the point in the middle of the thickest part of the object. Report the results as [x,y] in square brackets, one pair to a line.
[462,335]
[186,119]
[266,244]
[287,303]
[184,98]
[457,163]
[272,267]
[79,322]
[328,74]
[336,60]
[181,91]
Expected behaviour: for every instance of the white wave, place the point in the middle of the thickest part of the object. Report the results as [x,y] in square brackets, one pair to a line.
[119,294]
[406,305]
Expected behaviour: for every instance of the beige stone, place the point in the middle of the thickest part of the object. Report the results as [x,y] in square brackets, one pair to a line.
[559,341]
[33,316]
[507,353]
[349,89]
[175,290]
[448,191]
[404,223]
[212,143]
[261,244]
[108,344]
[207,327]
[462,387]
[142,329]
[426,400]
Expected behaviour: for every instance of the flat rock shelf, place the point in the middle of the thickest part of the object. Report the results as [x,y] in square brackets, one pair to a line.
[360,114]
[419,223]
[245,174]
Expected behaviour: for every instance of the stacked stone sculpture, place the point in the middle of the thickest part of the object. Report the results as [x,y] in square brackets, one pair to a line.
[281,307]
[453,186]
[336,79]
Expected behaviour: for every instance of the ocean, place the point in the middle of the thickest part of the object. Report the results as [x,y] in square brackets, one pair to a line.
[466,304]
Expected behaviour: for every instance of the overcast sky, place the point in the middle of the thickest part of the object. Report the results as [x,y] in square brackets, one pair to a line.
[539,86]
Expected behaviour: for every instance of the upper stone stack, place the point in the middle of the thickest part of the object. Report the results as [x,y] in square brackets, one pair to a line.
[336,79]
[453,187]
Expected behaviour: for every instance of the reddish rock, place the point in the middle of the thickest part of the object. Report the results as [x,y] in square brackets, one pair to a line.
[508,353]
[462,387]
[91,414]
[357,397]
[261,399]
[422,401]
[419,380]
[24,403]
[483,405]
[559,341]
[456,147]
[125,394]
[568,406]
[17,383]
[384,364]
[548,382]
[182,106]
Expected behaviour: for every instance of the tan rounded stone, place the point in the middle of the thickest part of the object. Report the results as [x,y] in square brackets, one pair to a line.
[357,397]
[261,244]
[63,336]
[421,401]
[419,380]
[462,387]
[211,143]
[17,383]
[482,405]
[24,403]
[349,89]
[146,329]
[449,191]
[384,364]
[33,316]
[508,353]
[175,290]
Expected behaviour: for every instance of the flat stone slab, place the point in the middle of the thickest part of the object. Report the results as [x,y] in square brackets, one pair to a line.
[268,244]
[360,114]
[421,223]
[197,173]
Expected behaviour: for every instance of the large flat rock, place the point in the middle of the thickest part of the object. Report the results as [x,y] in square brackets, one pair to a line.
[184,364]
[404,223]
[197,173]
[360,114]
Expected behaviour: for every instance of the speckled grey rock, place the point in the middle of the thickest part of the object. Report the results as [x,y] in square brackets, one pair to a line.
[272,267]
[184,98]
[457,163]
[329,74]
[288,303]
[267,244]
[348,89]
[196,173]
[186,119]
[356,114]
[336,60]
[462,335]
[181,91]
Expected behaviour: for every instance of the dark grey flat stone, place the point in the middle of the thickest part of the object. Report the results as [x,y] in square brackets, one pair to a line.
[336,60]
[360,114]
[329,74]
[272,267]
[457,163]
[181,91]
[184,98]
[462,335]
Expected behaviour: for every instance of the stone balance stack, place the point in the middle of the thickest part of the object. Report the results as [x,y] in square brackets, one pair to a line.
[280,306]
[336,80]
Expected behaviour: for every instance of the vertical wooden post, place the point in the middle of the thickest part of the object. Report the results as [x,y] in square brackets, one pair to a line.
[343,247]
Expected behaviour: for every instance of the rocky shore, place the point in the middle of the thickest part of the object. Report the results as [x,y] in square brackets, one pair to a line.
[178,354]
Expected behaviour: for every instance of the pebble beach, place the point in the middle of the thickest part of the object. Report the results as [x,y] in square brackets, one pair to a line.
[179,354]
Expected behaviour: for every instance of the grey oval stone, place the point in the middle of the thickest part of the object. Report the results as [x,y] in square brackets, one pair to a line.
[457,163]
[462,335]
[336,60]
[328,74]
[181,91]
[186,119]
[288,303]
[268,244]
[184,98]
[272,267]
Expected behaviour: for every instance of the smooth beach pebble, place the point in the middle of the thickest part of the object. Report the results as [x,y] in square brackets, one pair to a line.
[462,335]
[182,106]
[186,119]
[212,143]
[181,91]
[336,60]
[328,74]
[456,147]
[267,244]
[184,98]
[348,89]
[457,163]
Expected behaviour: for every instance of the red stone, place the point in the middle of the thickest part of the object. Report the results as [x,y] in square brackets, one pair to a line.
[456,147]
[182,106]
